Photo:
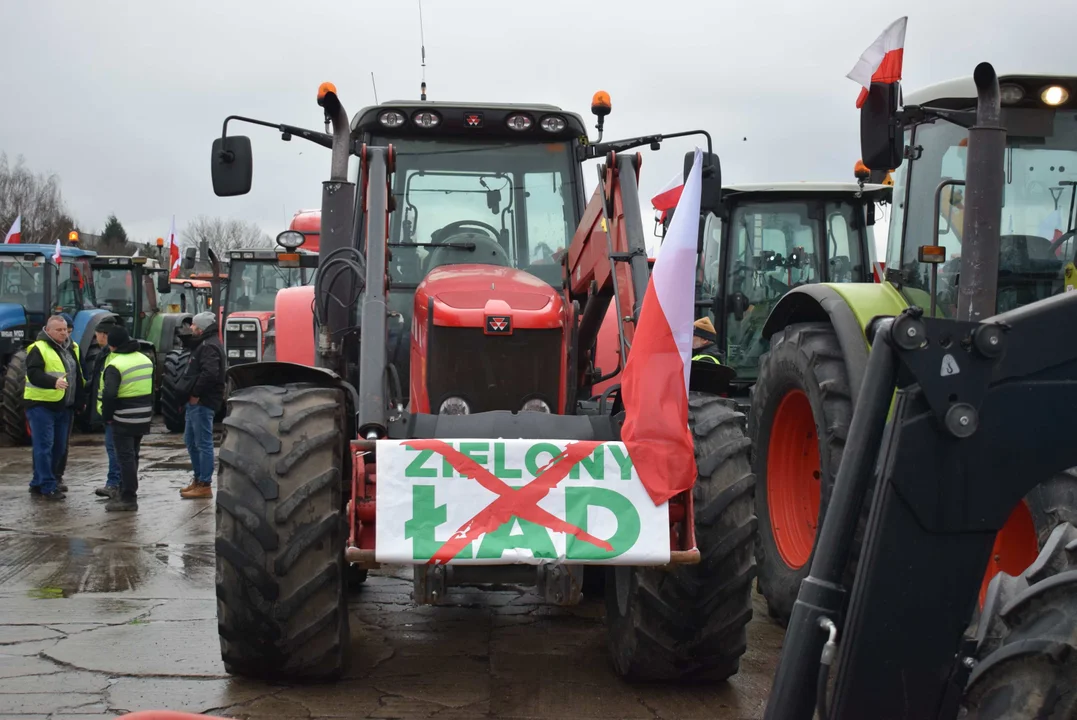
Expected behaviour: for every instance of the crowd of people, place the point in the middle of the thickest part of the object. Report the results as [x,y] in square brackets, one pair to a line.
[57,388]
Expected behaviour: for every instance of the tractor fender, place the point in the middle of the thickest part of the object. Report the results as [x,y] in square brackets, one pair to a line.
[285,373]
[294,319]
[84,323]
[171,323]
[849,308]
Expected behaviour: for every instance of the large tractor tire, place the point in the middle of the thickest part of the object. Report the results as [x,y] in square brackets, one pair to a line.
[281,532]
[173,408]
[12,407]
[690,622]
[802,386]
[1027,639]
[803,390]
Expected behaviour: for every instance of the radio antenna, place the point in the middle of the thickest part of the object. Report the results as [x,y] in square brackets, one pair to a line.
[375,86]
[422,46]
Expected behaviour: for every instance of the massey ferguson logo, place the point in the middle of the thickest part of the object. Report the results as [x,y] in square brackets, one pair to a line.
[498,325]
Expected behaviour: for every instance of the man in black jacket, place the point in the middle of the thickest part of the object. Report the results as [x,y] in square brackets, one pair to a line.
[54,388]
[204,383]
[125,401]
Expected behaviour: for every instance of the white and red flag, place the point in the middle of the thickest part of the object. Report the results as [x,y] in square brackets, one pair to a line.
[173,251]
[654,384]
[14,235]
[56,255]
[881,62]
[668,197]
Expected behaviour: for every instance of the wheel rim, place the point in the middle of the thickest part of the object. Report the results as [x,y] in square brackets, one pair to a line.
[793,473]
[1016,547]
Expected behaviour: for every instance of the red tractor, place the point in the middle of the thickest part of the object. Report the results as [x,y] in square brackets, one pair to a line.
[435,402]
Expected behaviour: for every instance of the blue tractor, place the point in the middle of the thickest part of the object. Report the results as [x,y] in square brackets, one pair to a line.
[32,287]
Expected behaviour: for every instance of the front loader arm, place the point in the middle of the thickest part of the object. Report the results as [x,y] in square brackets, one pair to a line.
[607,260]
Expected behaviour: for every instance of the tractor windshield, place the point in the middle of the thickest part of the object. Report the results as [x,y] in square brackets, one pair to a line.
[22,282]
[253,285]
[115,290]
[777,245]
[1038,212]
[497,203]
[178,300]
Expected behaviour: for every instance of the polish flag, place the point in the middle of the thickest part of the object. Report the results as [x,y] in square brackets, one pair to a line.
[14,235]
[668,197]
[881,62]
[654,383]
[173,251]
[56,254]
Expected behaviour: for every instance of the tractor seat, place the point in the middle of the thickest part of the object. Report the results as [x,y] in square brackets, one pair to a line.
[1021,254]
[487,252]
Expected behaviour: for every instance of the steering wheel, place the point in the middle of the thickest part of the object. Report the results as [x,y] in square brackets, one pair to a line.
[1058,243]
[438,236]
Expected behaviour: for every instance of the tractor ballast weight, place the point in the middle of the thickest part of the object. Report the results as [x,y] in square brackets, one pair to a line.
[313,435]
[919,503]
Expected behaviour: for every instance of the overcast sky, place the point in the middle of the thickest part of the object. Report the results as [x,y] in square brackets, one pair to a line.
[123,99]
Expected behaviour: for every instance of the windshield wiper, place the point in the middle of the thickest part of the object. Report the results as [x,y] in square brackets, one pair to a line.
[459,246]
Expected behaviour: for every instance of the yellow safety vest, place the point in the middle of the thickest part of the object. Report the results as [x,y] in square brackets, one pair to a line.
[136,381]
[703,357]
[54,366]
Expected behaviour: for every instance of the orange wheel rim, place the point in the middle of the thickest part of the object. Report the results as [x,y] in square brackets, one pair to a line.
[793,479]
[1016,547]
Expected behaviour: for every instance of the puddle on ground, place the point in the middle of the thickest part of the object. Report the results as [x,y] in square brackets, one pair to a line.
[52,567]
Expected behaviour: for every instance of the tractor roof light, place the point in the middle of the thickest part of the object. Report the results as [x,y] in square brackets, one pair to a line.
[73,237]
[392,118]
[288,259]
[519,122]
[932,254]
[454,406]
[552,123]
[1011,94]
[1054,95]
[291,239]
[600,104]
[426,119]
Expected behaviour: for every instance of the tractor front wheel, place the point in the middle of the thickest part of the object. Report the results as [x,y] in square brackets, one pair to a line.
[802,391]
[281,531]
[174,408]
[1026,639]
[12,407]
[690,622]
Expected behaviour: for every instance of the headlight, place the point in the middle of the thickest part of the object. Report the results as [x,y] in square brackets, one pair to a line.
[519,122]
[1054,95]
[552,123]
[249,327]
[250,353]
[426,119]
[536,405]
[454,406]
[391,119]
[1011,93]
[233,353]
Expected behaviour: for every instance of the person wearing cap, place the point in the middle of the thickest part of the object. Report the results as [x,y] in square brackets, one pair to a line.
[705,342]
[54,388]
[204,385]
[125,402]
[61,460]
[111,488]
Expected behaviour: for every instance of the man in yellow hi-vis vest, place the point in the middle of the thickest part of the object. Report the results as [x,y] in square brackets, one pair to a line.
[125,402]
[54,388]
[705,342]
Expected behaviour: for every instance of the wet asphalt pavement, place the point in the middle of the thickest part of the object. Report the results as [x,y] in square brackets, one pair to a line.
[106,613]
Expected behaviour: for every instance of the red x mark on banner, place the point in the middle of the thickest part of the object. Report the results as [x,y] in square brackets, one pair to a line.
[521,502]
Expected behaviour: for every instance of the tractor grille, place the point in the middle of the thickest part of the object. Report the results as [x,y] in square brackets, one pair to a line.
[493,372]
[242,341]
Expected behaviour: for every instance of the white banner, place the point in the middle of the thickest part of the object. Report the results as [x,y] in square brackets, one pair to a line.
[498,502]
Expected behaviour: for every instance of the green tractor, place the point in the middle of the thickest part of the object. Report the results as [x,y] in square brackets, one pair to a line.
[817,349]
[129,288]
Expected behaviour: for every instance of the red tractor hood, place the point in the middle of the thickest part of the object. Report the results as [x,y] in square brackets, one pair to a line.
[475,295]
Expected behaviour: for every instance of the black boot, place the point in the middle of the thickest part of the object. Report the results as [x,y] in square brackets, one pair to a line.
[119,504]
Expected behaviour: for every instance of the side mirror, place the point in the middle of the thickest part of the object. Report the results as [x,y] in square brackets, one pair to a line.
[711,182]
[232,165]
[189,258]
[882,143]
[164,285]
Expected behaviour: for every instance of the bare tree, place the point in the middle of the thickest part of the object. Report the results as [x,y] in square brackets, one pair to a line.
[37,198]
[225,235]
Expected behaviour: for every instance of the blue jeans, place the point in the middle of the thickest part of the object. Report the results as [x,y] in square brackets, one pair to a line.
[198,435]
[48,433]
[113,462]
